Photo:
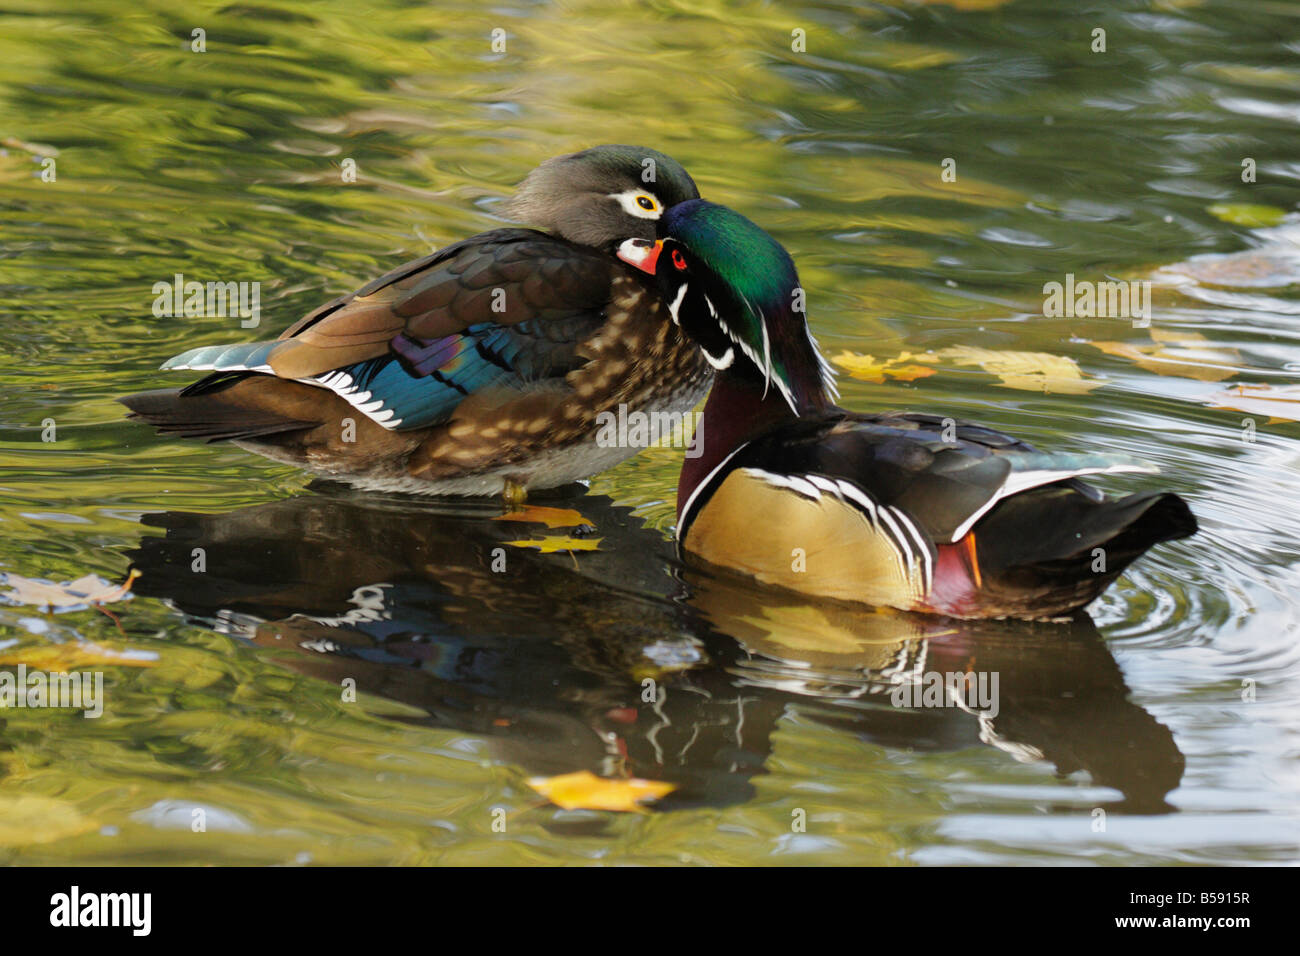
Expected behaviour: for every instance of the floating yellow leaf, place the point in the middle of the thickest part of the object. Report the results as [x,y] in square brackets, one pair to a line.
[1281,403]
[35,819]
[548,544]
[868,369]
[909,373]
[88,589]
[585,791]
[1031,371]
[1177,353]
[551,517]
[1250,215]
[61,658]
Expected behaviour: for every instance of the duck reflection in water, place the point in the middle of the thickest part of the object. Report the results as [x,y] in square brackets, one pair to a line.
[622,662]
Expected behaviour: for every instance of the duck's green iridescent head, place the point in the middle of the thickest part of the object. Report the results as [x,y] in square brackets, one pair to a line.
[735,291]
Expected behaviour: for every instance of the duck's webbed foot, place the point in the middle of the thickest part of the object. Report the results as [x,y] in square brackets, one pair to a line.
[514,494]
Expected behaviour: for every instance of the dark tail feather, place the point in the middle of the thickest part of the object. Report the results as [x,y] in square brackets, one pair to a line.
[206,416]
[1142,522]
[1053,549]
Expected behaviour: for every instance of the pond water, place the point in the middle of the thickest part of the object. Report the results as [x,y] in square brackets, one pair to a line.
[1163,730]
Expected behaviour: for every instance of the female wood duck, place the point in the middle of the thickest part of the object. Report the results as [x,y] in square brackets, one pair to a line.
[480,369]
[912,511]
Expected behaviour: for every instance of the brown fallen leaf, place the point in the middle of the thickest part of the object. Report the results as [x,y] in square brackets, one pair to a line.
[551,517]
[1030,371]
[866,367]
[548,544]
[585,791]
[62,658]
[1268,267]
[1281,403]
[86,590]
[1177,353]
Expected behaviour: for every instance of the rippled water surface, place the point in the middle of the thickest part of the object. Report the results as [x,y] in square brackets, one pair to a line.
[1173,711]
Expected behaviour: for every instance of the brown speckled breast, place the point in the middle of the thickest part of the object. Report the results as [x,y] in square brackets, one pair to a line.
[638,357]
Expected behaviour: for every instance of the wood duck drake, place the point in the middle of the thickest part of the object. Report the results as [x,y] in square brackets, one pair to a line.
[911,511]
[477,370]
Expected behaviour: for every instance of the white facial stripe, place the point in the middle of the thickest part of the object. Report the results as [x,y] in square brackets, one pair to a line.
[749,352]
[675,305]
[728,357]
[767,355]
[628,200]
[775,379]
[827,370]
[765,362]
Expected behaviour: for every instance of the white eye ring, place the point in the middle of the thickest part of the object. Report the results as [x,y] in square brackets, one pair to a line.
[628,200]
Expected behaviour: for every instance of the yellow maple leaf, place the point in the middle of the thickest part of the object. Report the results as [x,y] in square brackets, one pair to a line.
[1176,353]
[551,517]
[1280,402]
[1031,371]
[866,367]
[61,658]
[585,791]
[548,544]
[908,373]
[88,589]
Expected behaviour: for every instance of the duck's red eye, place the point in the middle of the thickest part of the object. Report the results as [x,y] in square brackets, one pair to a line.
[679,260]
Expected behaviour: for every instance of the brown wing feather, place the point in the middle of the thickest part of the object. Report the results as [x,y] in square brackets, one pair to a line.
[502,277]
